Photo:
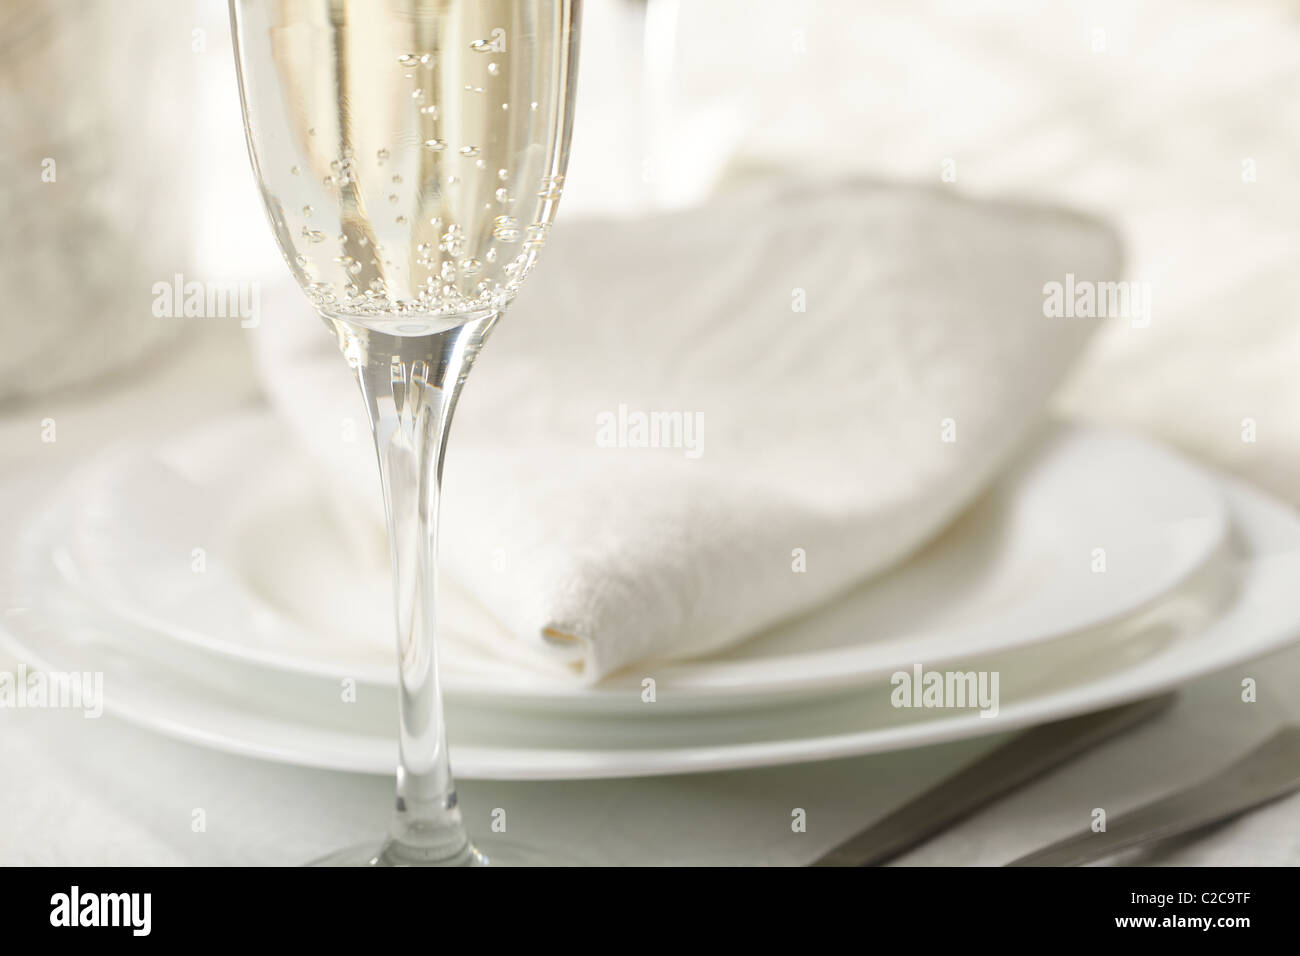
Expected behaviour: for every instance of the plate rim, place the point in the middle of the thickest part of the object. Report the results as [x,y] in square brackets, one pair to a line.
[1161,672]
[708,684]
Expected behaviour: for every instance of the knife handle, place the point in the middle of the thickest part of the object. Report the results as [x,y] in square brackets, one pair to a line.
[1009,766]
[1269,771]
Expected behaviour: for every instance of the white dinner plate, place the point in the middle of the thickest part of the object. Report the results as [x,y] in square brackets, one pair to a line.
[1243,605]
[1089,526]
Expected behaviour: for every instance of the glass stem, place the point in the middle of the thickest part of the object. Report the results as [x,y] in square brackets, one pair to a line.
[410,385]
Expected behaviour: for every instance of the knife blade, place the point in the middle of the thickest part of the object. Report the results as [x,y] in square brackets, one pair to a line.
[1266,773]
[1009,766]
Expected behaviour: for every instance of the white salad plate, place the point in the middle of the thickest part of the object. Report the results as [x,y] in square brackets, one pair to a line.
[1241,605]
[221,542]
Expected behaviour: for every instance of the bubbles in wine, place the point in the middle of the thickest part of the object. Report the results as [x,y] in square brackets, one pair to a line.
[438,170]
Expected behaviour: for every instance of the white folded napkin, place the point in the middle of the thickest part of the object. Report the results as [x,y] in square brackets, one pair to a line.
[849,367]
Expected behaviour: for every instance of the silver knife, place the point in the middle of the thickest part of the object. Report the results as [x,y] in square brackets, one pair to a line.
[1013,764]
[1269,771]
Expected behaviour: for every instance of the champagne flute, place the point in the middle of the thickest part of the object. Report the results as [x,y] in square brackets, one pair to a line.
[411,155]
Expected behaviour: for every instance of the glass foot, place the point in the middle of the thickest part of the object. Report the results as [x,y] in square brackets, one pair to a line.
[490,851]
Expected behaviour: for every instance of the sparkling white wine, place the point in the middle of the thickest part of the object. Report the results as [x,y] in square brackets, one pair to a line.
[411,153]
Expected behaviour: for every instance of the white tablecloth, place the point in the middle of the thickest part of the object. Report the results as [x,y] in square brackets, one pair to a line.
[78,791]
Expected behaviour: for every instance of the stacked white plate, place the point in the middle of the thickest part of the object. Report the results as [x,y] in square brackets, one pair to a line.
[208,583]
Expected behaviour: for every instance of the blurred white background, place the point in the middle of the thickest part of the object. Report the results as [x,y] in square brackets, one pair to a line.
[1174,119]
